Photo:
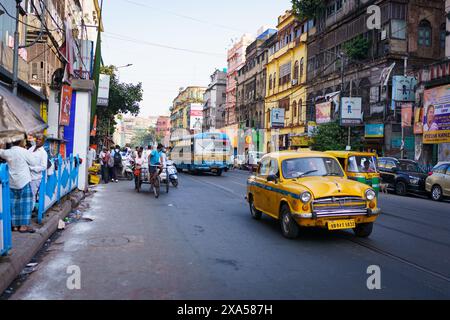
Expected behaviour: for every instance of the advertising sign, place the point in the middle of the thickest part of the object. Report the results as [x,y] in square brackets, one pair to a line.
[277,118]
[418,120]
[407,109]
[300,141]
[404,88]
[351,113]
[103,90]
[323,112]
[374,131]
[65,105]
[312,126]
[436,120]
[385,74]
[196,116]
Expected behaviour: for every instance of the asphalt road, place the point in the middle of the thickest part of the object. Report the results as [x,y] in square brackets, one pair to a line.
[199,242]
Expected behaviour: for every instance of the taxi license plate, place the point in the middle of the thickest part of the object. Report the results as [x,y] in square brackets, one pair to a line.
[341,224]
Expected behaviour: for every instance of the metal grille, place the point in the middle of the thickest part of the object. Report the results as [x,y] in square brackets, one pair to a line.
[350,206]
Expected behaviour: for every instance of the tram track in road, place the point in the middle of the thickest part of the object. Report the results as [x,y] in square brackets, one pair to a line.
[347,236]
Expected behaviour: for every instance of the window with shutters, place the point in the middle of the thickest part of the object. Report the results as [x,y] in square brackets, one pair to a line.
[424,34]
[296,70]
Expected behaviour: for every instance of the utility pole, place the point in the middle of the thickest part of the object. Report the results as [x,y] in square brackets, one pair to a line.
[15,81]
[402,151]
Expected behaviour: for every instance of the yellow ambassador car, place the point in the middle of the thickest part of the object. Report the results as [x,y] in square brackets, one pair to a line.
[310,189]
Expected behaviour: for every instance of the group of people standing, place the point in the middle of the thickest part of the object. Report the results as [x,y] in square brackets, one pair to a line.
[111,164]
[26,163]
[112,160]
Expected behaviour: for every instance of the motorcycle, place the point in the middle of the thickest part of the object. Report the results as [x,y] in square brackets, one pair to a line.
[128,169]
[171,170]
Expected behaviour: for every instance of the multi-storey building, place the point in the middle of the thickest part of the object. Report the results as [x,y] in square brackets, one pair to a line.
[215,100]
[180,112]
[236,59]
[286,83]
[412,30]
[251,83]
[128,128]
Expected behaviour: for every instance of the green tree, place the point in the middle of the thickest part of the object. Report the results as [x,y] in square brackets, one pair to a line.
[332,136]
[357,48]
[147,137]
[124,98]
[308,9]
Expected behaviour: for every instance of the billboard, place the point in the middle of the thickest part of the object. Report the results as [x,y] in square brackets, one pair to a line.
[323,112]
[277,118]
[436,120]
[404,88]
[374,131]
[351,112]
[65,105]
[196,116]
[103,90]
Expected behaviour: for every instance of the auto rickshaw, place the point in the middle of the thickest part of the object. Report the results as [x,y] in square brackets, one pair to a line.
[360,166]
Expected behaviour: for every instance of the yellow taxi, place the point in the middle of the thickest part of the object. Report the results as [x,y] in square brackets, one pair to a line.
[310,189]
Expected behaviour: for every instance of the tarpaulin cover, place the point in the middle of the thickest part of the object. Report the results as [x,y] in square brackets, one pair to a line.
[17,118]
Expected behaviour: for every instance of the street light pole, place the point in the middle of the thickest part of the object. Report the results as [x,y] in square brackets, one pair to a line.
[15,80]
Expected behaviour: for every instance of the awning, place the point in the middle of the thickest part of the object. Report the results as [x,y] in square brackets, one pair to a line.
[17,118]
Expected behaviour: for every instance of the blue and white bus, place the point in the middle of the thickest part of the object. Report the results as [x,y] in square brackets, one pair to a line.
[203,152]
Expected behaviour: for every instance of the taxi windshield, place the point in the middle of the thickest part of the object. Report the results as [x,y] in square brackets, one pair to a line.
[362,164]
[311,167]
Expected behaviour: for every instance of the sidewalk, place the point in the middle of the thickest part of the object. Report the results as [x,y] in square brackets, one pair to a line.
[25,246]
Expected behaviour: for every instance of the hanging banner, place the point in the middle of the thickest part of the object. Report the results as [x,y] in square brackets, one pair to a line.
[103,90]
[418,120]
[407,115]
[323,112]
[66,102]
[351,113]
[196,117]
[436,120]
[94,128]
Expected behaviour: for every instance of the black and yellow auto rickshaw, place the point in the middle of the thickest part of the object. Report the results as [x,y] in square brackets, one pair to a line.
[360,166]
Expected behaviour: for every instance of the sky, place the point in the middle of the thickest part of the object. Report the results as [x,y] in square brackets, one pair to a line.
[139,32]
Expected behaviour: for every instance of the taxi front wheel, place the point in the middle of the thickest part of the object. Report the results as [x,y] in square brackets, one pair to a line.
[256,214]
[363,230]
[289,227]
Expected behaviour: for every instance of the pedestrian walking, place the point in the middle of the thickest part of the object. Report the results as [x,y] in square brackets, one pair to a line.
[112,173]
[19,161]
[36,171]
[104,160]
[117,167]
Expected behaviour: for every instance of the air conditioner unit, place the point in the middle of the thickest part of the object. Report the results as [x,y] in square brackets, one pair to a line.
[294,82]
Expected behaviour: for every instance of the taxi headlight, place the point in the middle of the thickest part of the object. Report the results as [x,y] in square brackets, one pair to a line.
[370,195]
[305,197]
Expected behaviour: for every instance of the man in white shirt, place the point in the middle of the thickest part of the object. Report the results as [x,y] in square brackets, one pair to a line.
[19,162]
[36,171]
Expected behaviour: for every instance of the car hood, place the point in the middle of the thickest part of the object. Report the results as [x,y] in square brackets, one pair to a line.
[321,187]
[417,175]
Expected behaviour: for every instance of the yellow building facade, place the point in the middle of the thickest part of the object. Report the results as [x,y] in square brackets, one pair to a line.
[286,85]
[180,112]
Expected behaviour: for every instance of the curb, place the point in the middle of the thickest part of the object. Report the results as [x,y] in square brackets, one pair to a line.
[13,264]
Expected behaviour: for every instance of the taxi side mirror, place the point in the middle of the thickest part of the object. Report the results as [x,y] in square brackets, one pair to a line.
[272,178]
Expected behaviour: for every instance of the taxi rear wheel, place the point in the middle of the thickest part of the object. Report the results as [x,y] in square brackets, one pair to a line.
[289,227]
[256,214]
[363,230]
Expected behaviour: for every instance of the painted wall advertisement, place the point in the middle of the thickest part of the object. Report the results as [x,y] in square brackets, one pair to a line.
[436,120]
[323,112]
[277,117]
[196,117]
[66,103]
[351,113]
